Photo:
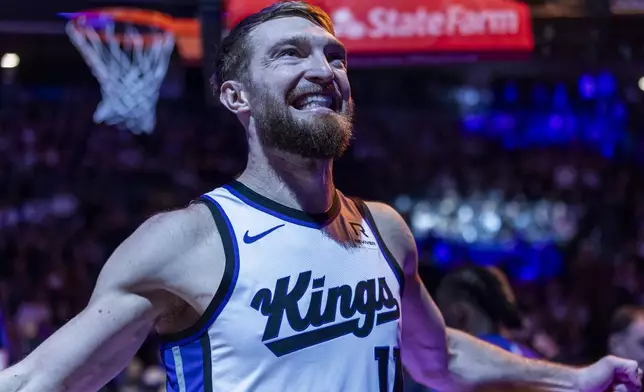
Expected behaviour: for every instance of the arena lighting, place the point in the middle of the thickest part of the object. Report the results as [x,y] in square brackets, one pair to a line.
[640,83]
[488,219]
[587,87]
[9,60]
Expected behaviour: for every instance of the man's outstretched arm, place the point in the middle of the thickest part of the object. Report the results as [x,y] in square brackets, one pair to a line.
[450,360]
[89,350]
[493,369]
[96,345]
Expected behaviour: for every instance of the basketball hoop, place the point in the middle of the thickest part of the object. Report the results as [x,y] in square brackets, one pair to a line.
[128,51]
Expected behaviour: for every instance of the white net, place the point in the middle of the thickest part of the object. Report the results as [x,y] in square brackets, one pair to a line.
[130,67]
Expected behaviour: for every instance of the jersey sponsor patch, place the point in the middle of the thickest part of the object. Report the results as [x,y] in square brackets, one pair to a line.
[360,236]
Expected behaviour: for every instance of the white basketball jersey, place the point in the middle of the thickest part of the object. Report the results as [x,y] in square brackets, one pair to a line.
[308,303]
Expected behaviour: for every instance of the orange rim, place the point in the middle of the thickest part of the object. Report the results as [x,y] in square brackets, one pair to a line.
[186,30]
[130,15]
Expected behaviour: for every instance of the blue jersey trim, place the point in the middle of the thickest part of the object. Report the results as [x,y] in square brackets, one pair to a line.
[189,366]
[193,364]
[391,260]
[171,383]
[228,282]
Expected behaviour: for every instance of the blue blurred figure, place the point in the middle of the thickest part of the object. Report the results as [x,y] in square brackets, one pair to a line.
[4,343]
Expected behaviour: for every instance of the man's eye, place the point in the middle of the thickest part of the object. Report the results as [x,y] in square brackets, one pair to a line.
[337,57]
[290,53]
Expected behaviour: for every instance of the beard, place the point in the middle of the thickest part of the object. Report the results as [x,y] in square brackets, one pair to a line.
[320,136]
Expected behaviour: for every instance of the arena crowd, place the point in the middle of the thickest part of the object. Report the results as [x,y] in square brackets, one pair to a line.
[73,190]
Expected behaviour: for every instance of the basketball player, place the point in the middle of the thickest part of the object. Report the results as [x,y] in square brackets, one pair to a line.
[277,281]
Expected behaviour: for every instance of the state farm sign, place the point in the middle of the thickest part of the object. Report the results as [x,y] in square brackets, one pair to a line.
[453,21]
[416,26]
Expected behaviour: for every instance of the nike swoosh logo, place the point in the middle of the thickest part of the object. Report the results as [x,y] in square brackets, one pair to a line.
[254,238]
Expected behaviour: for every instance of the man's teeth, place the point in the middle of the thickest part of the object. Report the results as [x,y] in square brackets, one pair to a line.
[314,101]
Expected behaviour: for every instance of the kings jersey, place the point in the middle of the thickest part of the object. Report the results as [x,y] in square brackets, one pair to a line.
[308,302]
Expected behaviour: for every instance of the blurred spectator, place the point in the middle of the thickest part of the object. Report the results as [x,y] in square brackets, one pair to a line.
[480,301]
[626,337]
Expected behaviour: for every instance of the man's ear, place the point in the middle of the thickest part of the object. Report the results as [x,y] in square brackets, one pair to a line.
[233,96]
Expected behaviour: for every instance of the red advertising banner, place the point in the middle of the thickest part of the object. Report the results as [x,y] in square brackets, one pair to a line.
[377,27]
[394,26]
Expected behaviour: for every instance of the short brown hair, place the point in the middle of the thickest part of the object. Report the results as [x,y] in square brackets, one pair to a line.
[484,287]
[233,55]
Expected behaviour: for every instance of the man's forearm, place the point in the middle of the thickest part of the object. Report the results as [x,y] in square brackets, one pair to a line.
[14,379]
[487,367]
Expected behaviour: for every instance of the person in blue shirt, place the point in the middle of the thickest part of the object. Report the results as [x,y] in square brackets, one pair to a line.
[479,301]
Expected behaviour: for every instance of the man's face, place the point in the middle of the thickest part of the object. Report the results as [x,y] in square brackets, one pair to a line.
[299,92]
[630,343]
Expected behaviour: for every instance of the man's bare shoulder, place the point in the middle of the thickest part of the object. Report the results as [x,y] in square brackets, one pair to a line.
[181,227]
[163,246]
[396,234]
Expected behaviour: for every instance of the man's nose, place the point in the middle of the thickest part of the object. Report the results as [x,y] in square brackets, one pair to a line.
[319,71]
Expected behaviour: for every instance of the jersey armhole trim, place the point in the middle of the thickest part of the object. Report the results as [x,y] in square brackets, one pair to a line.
[389,257]
[228,280]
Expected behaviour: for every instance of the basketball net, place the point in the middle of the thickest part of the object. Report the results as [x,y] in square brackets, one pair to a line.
[129,66]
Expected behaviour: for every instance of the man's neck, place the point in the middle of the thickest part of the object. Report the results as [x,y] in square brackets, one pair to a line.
[296,182]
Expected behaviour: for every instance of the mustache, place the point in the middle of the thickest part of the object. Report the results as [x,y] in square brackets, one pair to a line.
[314,89]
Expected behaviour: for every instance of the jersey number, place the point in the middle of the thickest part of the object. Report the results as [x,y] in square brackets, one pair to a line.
[381,355]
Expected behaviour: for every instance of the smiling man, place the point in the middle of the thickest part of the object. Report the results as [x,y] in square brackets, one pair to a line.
[277,281]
